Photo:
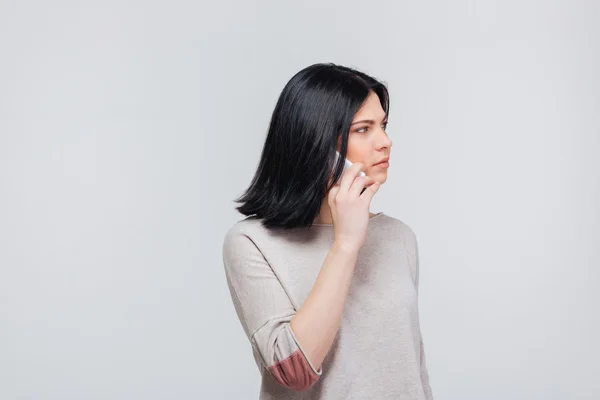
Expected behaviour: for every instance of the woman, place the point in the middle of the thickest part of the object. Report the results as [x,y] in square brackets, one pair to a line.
[326,291]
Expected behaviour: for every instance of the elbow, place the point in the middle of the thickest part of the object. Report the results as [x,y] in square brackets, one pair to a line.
[294,373]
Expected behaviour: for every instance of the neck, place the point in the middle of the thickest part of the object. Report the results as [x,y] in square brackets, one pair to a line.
[324,216]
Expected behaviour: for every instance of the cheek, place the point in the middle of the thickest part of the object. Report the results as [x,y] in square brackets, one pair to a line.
[357,151]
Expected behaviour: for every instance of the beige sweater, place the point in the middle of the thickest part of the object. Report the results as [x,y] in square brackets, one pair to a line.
[378,351]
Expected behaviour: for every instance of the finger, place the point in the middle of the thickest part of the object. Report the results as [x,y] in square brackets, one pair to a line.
[359,184]
[330,181]
[349,176]
[370,191]
[331,195]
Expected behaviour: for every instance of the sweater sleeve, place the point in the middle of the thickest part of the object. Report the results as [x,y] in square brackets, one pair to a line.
[265,311]
[424,372]
[412,250]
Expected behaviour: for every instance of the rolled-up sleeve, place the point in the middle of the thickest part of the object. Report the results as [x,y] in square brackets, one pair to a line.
[265,311]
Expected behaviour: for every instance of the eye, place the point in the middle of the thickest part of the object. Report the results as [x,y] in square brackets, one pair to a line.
[385,124]
[360,130]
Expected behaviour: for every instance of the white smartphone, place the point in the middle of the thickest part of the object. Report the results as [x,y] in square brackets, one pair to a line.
[347,163]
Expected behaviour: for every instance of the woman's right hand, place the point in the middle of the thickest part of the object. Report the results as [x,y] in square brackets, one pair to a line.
[350,208]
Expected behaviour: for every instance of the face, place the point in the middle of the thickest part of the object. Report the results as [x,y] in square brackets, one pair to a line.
[368,142]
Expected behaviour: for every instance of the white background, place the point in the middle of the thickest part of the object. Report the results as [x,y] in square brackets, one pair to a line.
[127,129]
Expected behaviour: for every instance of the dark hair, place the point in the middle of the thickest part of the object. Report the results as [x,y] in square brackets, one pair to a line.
[314,111]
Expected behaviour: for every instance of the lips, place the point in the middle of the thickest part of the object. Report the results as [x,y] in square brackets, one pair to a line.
[382,161]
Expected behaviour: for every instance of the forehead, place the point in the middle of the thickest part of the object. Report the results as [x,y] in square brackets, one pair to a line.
[370,109]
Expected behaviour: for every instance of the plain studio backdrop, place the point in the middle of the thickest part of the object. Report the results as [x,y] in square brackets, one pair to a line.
[127,129]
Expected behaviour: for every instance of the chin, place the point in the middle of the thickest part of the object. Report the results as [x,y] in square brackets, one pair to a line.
[380,177]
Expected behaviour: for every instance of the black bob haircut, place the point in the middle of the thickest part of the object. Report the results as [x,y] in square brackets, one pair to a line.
[312,116]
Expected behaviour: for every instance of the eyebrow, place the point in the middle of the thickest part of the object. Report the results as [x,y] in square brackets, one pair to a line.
[368,121]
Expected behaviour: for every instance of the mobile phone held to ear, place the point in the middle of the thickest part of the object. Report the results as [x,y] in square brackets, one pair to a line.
[347,163]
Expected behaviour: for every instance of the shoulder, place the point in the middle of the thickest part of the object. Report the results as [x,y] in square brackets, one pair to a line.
[246,225]
[240,250]
[401,229]
[249,234]
[241,231]
[253,227]
[407,239]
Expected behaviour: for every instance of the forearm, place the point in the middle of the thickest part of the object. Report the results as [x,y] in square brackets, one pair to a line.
[316,323]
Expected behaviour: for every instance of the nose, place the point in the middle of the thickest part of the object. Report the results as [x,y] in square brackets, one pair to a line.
[384,140]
